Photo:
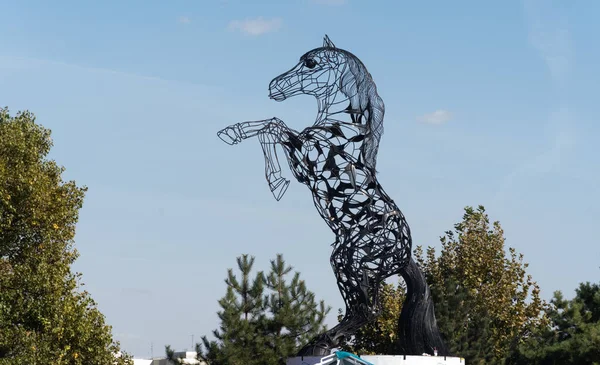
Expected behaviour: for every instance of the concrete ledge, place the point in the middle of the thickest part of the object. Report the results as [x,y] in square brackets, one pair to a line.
[388,360]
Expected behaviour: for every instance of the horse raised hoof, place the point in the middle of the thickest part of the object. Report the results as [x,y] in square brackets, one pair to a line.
[229,135]
[279,187]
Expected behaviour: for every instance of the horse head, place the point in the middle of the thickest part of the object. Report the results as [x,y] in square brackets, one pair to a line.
[318,73]
[330,74]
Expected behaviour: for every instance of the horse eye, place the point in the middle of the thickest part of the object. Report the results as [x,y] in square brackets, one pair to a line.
[310,63]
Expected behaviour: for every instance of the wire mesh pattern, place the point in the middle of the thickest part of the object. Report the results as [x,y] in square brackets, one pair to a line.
[336,158]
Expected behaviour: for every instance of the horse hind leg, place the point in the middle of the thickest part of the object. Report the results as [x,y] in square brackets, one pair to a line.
[359,287]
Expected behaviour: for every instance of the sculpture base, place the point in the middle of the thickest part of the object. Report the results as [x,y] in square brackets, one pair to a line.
[386,360]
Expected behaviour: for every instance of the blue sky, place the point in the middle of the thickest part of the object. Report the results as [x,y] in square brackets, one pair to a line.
[486,103]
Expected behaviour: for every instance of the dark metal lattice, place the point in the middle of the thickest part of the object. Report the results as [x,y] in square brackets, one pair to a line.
[336,159]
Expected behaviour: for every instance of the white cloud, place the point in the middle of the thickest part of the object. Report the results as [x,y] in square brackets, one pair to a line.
[256,26]
[329,2]
[184,20]
[437,117]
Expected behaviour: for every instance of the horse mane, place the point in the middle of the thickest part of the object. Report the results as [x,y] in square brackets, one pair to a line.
[358,85]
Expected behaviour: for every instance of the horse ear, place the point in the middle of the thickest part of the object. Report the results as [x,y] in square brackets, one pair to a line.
[327,42]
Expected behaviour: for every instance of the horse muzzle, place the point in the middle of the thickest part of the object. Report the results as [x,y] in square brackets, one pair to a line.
[286,85]
[276,94]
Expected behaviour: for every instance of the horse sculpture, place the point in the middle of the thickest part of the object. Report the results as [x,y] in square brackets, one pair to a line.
[336,158]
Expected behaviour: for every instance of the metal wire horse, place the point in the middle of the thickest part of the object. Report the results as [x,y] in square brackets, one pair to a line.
[336,158]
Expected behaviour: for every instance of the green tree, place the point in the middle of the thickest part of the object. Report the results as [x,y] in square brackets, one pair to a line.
[264,318]
[381,335]
[573,335]
[485,302]
[44,317]
[240,333]
[292,315]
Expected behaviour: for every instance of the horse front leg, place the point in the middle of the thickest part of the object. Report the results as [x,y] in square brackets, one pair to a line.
[270,132]
[277,183]
[235,133]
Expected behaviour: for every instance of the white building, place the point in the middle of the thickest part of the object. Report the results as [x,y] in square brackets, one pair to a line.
[142,362]
[188,358]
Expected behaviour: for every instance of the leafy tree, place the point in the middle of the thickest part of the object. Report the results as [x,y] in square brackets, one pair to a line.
[573,335]
[44,318]
[485,302]
[264,318]
[381,335]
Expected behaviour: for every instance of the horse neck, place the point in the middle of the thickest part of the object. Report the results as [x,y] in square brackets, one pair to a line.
[354,101]
[334,105]
[360,98]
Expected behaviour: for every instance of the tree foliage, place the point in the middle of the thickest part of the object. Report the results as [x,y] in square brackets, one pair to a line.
[573,334]
[485,302]
[44,318]
[265,318]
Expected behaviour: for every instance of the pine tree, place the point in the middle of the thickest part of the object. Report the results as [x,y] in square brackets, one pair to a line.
[572,336]
[241,314]
[264,319]
[293,317]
